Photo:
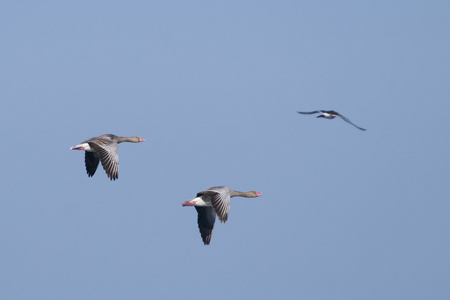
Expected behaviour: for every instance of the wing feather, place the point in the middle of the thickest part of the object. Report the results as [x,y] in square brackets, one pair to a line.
[220,201]
[348,121]
[91,160]
[206,220]
[107,152]
[309,112]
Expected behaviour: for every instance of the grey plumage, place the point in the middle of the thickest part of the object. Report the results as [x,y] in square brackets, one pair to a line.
[103,149]
[211,202]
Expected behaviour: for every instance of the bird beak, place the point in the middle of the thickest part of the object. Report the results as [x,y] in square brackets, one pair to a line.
[141,140]
[76,148]
[189,203]
[258,194]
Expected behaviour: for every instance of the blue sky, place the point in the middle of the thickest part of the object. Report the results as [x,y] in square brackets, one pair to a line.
[214,89]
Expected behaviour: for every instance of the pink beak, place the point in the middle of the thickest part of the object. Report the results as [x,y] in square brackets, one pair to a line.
[141,140]
[189,203]
[258,194]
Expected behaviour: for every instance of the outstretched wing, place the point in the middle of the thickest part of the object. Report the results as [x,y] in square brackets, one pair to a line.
[107,152]
[309,112]
[348,121]
[219,197]
[91,160]
[206,219]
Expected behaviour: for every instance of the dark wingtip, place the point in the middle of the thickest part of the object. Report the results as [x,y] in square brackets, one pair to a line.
[206,240]
[112,177]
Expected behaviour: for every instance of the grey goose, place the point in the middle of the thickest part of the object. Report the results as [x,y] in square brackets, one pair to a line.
[103,148]
[211,202]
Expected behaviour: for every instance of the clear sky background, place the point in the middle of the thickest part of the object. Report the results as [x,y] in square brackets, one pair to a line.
[214,88]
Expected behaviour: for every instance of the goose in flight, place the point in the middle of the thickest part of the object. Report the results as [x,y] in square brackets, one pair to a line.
[211,202]
[104,148]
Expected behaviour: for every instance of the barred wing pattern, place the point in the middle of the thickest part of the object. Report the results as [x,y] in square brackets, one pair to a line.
[103,149]
[107,152]
[220,201]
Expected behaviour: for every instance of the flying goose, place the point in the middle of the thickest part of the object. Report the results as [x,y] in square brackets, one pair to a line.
[104,148]
[211,202]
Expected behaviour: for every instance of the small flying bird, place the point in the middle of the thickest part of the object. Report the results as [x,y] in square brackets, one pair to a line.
[329,114]
[214,201]
[104,148]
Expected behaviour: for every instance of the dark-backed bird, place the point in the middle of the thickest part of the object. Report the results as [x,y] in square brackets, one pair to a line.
[214,201]
[104,148]
[329,114]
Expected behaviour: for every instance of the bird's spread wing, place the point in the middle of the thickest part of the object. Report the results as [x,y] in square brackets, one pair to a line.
[206,219]
[347,120]
[309,112]
[91,160]
[107,152]
[220,201]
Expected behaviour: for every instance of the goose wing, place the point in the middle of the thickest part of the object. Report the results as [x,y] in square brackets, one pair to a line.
[107,152]
[91,160]
[206,219]
[219,197]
